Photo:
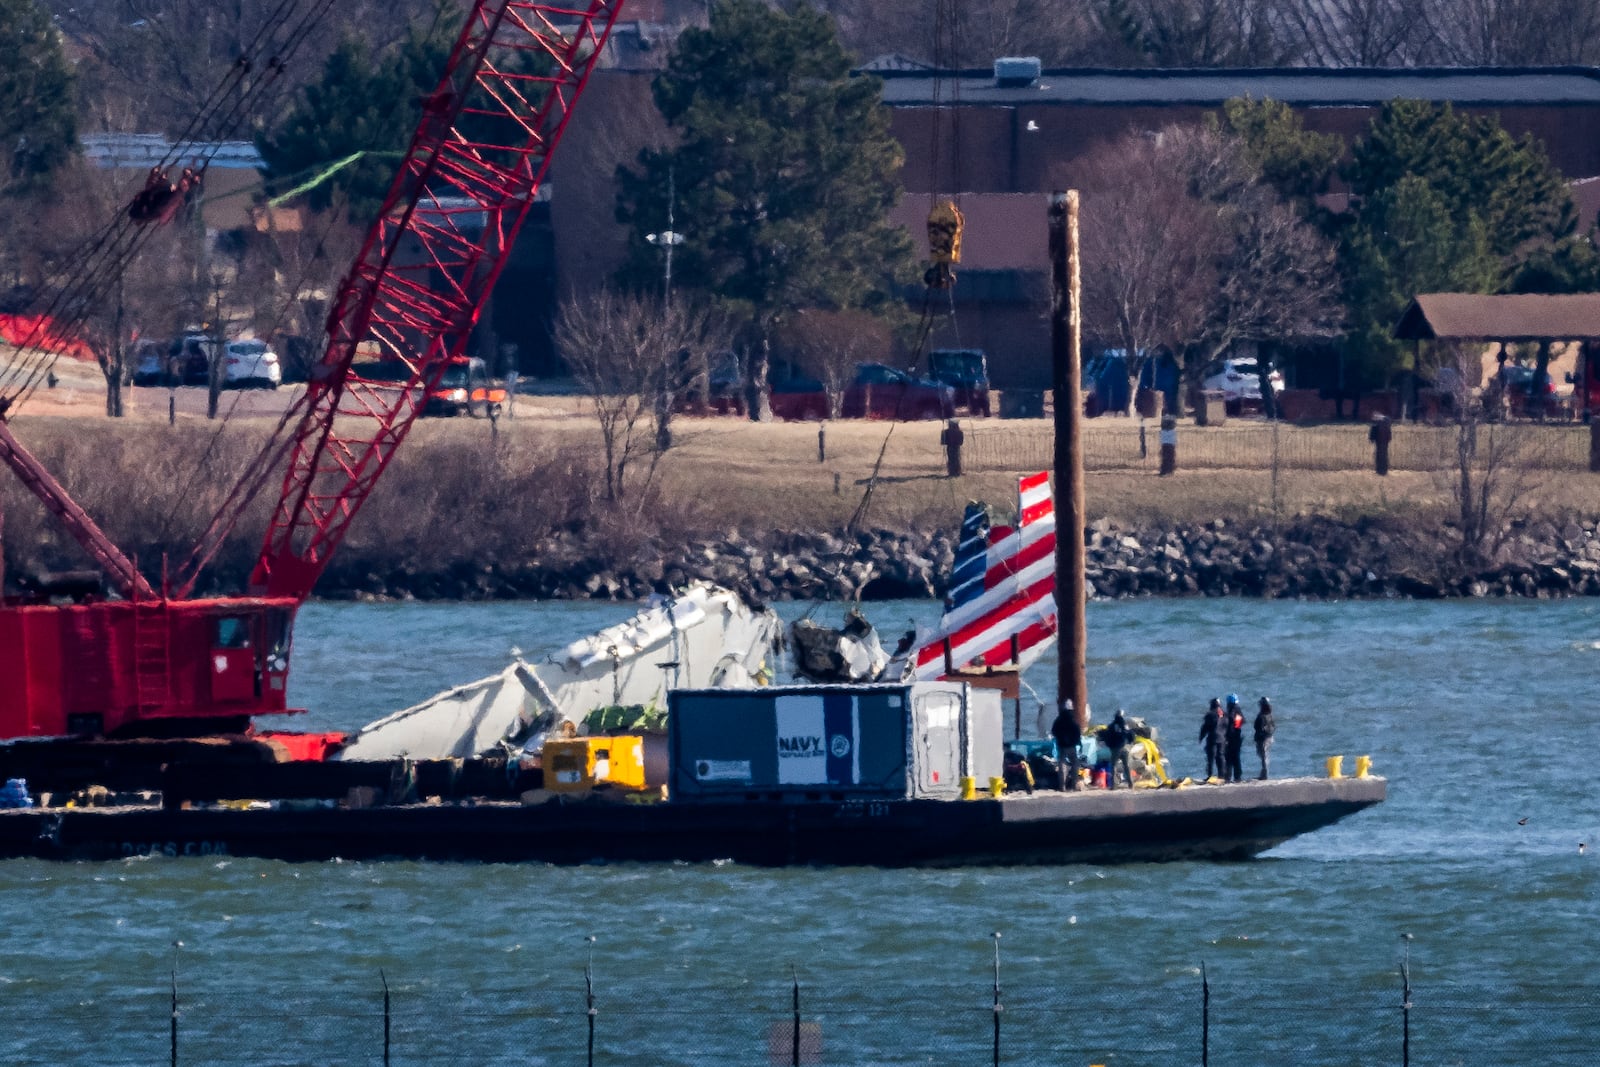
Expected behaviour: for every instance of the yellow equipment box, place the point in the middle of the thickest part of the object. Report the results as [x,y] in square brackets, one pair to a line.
[578,764]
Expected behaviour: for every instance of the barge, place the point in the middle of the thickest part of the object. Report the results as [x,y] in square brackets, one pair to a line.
[908,774]
[1202,822]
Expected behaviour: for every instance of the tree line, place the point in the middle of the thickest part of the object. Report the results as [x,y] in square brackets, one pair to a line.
[1233,33]
[781,165]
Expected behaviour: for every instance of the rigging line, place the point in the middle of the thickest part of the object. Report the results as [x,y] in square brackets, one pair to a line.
[317,179]
[44,363]
[860,514]
[236,73]
[85,287]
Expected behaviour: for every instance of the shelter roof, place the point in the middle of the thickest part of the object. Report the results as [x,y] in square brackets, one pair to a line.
[1516,317]
[1298,86]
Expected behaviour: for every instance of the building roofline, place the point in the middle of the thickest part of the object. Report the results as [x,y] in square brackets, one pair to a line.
[1211,86]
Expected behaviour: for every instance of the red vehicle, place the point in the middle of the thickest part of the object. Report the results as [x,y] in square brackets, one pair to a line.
[463,389]
[1586,381]
[878,392]
[966,371]
[160,661]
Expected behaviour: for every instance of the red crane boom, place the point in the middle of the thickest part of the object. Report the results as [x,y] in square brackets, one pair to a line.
[467,182]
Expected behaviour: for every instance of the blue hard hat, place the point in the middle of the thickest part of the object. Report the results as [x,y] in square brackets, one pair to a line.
[1233,698]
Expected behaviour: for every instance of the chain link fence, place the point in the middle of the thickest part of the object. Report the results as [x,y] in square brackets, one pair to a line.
[1121,444]
[1035,1014]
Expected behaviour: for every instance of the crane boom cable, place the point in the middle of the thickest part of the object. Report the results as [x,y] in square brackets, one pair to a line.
[421,321]
[119,226]
[115,265]
[127,236]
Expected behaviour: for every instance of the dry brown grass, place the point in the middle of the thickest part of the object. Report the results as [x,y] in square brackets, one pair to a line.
[457,496]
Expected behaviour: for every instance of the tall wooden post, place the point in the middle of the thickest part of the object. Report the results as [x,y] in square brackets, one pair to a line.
[1066,327]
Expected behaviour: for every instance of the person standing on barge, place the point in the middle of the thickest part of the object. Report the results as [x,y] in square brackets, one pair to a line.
[1265,728]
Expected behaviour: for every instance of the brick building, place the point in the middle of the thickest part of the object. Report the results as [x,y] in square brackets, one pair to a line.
[1005,142]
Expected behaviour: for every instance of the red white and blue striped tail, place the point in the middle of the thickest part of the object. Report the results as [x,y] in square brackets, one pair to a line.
[1002,603]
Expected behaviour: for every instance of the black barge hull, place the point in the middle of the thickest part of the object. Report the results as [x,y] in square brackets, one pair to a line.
[1201,822]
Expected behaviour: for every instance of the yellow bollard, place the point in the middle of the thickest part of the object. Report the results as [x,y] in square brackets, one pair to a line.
[1335,766]
[1363,765]
[969,787]
[997,786]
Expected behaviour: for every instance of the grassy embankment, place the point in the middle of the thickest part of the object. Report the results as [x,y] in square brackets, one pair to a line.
[457,498]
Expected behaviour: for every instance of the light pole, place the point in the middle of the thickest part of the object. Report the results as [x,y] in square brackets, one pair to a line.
[666,239]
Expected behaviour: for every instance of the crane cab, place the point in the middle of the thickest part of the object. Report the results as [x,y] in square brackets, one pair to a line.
[143,668]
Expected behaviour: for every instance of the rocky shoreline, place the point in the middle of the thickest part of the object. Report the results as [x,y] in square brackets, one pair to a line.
[1313,558]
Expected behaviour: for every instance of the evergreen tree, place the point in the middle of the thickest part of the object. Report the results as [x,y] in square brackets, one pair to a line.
[364,102]
[1408,239]
[1476,167]
[1448,202]
[1293,160]
[784,171]
[38,130]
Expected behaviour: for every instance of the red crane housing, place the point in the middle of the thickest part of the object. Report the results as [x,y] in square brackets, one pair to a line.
[162,662]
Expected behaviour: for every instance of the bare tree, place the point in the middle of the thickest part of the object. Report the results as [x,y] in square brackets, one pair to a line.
[1275,273]
[1186,248]
[1496,464]
[296,263]
[831,343]
[1059,34]
[138,300]
[1149,265]
[215,69]
[1514,32]
[634,357]
[1354,33]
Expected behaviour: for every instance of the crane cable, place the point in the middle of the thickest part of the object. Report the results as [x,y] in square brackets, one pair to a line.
[93,286]
[120,224]
[25,374]
[945,220]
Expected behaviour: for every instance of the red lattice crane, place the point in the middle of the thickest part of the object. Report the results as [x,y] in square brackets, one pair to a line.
[164,662]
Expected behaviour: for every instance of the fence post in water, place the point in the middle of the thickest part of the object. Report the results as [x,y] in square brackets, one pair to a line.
[385,980]
[997,1008]
[1205,1017]
[588,989]
[1405,1004]
[794,1057]
[174,1017]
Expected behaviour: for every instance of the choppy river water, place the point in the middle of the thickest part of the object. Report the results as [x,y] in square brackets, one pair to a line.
[1481,714]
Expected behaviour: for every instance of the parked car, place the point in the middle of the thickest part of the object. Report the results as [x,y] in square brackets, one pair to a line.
[1239,381]
[881,392]
[192,353]
[724,389]
[798,398]
[250,364]
[966,371]
[1528,392]
[463,389]
[153,367]
[1105,384]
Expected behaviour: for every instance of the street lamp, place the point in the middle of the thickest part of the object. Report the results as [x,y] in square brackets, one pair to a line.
[667,238]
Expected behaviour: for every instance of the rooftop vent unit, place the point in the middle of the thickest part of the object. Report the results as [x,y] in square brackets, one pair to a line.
[1016,72]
